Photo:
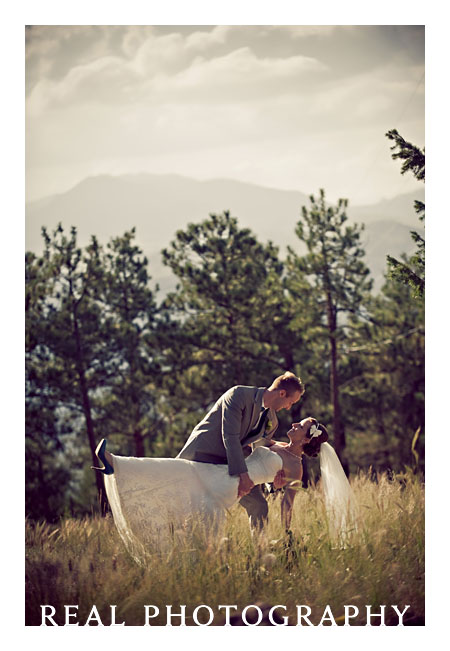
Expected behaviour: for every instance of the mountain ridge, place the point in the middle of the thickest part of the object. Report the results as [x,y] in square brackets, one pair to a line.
[158,205]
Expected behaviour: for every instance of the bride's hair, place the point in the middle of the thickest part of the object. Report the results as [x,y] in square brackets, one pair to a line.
[312,448]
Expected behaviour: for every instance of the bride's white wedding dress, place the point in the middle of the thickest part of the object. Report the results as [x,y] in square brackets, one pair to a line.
[154,500]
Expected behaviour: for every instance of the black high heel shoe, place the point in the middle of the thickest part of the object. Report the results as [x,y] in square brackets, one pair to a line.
[100,453]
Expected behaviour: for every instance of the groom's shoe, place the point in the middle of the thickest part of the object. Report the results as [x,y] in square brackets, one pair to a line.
[100,453]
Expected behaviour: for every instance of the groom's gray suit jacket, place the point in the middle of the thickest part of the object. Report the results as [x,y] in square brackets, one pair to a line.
[224,431]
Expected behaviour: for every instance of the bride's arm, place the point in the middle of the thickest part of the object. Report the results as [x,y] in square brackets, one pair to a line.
[279,480]
[278,446]
[291,474]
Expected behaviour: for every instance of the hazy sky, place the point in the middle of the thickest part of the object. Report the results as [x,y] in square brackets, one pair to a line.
[291,107]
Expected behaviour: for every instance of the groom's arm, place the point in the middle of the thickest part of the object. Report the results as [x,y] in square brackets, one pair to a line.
[245,484]
[232,413]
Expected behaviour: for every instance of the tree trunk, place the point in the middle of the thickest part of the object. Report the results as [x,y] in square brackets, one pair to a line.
[338,426]
[43,494]
[138,443]
[103,504]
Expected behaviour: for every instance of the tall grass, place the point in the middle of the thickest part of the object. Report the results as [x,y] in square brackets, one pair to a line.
[84,562]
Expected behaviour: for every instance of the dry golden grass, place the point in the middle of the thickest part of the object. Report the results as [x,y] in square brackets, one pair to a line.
[84,562]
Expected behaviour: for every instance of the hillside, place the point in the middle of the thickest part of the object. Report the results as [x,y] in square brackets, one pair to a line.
[159,205]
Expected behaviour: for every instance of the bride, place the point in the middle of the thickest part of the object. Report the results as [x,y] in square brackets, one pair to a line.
[154,500]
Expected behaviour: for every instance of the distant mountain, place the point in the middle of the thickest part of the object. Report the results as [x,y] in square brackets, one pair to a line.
[381,238]
[159,205]
[399,209]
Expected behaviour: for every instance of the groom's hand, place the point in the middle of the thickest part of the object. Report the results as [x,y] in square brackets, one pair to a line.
[245,485]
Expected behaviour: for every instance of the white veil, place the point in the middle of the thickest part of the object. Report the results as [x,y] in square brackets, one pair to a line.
[339,499]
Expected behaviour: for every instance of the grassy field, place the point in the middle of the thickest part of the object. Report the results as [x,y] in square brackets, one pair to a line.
[84,563]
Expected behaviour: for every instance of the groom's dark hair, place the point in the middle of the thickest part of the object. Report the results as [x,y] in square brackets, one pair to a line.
[312,448]
[289,382]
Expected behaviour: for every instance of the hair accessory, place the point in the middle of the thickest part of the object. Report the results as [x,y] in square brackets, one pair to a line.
[314,431]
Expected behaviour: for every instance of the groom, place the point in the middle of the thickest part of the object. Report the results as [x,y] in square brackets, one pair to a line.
[241,416]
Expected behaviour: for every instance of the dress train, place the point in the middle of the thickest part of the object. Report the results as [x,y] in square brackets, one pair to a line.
[154,501]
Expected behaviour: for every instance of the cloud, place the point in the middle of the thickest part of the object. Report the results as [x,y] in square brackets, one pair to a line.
[201,41]
[305,31]
[52,51]
[100,81]
[151,49]
[161,71]
[261,102]
[241,74]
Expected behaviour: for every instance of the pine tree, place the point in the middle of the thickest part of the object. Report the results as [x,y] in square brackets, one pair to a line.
[339,279]
[46,480]
[90,351]
[228,314]
[129,309]
[413,161]
[386,392]
[67,351]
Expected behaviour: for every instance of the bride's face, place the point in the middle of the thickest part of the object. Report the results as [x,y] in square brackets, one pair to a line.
[299,431]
